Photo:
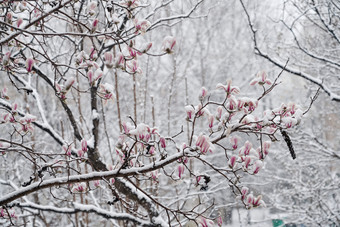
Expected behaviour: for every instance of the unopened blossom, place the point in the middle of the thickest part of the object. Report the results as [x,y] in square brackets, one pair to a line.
[19,21]
[234,141]
[90,76]
[203,143]
[120,60]
[162,142]
[29,64]
[219,111]
[266,146]
[180,171]
[94,25]
[93,55]
[68,83]
[203,93]
[168,44]
[84,145]
[155,174]
[108,59]
[246,162]
[232,161]
[257,166]
[206,223]
[250,199]
[92,7]
[219,221]
[245,150]
[257,201]
[211,120]
[228,88]
[244,192]
[261,79]
[9,17]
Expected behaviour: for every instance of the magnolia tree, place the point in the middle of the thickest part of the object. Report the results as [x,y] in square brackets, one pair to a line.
[69,156]
[305,32]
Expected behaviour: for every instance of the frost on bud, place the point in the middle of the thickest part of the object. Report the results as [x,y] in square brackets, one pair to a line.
[29,64]
[84,145]
[203,94]
[190,112]
[244,192]
[134,67]
[162,142]
[265,147]
[219,111]
[168,44]
[211,121]
[234,141]
[232,161]
[120,61]
[92,8]
[94,24]
[108,59]
[245,150]
[180,171]
[246,162]
[69,82]
[257,166]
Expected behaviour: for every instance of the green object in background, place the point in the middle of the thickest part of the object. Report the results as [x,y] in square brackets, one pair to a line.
[278,223]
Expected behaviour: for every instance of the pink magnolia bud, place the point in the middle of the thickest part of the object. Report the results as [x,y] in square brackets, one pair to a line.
[247,161]
[92,7]
[9,17]
[95,23]
[234,141]
[146,47]
[168,44]
[19,21]
[250,199]
[257,201]
[219,112]
[112,180]
[69,82]
[67,149]
[162,141]
[265,147]
[29,64]
[203,93]
[232,161]
[84,145]
[257,166]
[90,76]
[211,121]
[246,148]
[244,192]
[190,112]
[219,221]
[108,59]
[180,171]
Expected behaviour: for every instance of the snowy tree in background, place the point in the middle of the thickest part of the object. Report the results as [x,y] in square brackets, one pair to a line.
[101,124]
